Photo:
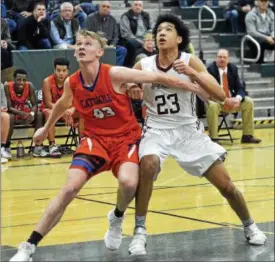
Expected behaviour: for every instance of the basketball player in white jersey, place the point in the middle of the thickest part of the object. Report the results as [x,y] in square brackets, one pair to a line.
[172,129]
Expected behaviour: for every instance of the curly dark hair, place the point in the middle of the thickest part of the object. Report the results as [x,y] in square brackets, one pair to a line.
[19,72]
[181,28]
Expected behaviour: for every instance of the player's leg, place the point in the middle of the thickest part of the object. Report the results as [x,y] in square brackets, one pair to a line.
[82,168]
[152,153]
[207,161]
[127,176]
[5,125]
[219,177]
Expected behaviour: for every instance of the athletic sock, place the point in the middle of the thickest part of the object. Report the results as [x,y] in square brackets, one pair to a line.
[35,238]
[140,221]
[248,222]
[118,213]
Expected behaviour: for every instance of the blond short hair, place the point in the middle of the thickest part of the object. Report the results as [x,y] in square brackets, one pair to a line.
[93,35]
[148,36]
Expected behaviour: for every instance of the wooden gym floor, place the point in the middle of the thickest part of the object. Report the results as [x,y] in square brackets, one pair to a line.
[188,219]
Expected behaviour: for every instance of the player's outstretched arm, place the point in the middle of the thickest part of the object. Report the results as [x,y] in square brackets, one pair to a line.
[122,75]
[60,106]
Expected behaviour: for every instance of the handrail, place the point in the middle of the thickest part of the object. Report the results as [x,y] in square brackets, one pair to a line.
[200,22]
[244,59]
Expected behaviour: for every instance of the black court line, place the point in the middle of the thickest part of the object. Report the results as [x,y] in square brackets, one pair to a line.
[215,205]
[155,188]
[158,212]
[68,162]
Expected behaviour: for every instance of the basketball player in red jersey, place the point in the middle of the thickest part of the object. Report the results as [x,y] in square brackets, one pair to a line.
[53,87]
[22,106]
[99,93]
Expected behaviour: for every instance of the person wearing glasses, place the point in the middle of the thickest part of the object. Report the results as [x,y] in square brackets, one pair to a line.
[260,25]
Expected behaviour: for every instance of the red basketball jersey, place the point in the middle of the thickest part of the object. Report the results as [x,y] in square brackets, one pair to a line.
[56,91]
[19,101]
[104,111]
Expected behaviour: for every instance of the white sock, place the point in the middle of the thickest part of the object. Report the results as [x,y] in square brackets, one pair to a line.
[140,221]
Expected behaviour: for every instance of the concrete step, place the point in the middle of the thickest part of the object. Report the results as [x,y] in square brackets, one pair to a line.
[264,111]
[256,84]
[264,102]
[259,122]
[261,92]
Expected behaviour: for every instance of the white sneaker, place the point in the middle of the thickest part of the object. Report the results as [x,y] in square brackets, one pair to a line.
[138,244]
[5,153]
[4,160]
[54,152]
[39,151]
[113,236]
[254,235]
[24,253]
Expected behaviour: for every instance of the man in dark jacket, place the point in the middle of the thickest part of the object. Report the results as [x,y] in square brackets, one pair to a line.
[34,31]
[64,27]
[6,46]
[133,25]
[227,75]
[235,13]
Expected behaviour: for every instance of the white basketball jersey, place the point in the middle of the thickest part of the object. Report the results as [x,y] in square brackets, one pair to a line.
[168,107]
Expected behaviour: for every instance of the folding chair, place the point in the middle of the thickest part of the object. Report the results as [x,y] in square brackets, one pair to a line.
[228,133]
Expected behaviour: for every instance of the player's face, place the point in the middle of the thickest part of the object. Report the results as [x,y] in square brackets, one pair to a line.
[167,36]
[87,49]
[20,81]
[61,72]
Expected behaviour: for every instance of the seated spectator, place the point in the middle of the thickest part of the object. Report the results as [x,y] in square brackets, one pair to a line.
[35,30]
[11,23]
[196,3]
[227,75]
[88,7]
[22,107]
[64,27]
[260,25]
[148,47]
[235,13]
[5,125]
[53,87]
[6,46]
[105,24]
[133,25]
[54,8]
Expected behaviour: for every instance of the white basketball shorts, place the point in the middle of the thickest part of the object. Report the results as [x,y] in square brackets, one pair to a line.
[194,151]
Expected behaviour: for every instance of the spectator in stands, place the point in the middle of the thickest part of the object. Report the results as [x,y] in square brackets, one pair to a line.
[127,4]
[11,23]
[35,30]
[105,24]
[196,3]
[133,25]
[6,46]
[260,25]
[22,107]
[64,27]
[52,90]
[227,75]
[5,125]
[54,8]
[235,13]
[148,47]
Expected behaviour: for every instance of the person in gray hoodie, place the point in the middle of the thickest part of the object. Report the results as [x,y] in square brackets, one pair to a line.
[260,25]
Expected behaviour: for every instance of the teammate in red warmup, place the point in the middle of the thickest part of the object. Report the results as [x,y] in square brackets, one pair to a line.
[111,135]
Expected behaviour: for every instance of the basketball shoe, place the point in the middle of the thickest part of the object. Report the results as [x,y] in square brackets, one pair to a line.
[254,235]
[113,236]
[24,253]
[138,244]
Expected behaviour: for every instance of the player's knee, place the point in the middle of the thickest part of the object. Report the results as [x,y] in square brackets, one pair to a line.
[68,193]
[128,184]
[228,190]
[149,167]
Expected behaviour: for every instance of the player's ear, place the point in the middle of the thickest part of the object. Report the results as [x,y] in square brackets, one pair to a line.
[179,39]
[100,52]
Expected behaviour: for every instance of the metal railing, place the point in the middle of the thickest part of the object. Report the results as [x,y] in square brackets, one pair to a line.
[244,59]
[209,29]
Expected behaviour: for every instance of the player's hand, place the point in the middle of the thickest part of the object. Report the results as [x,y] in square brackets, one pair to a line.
[40,135]
[69,121]
[3,109]
[134,91]
[231,103]
[30,118]
[181,68]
